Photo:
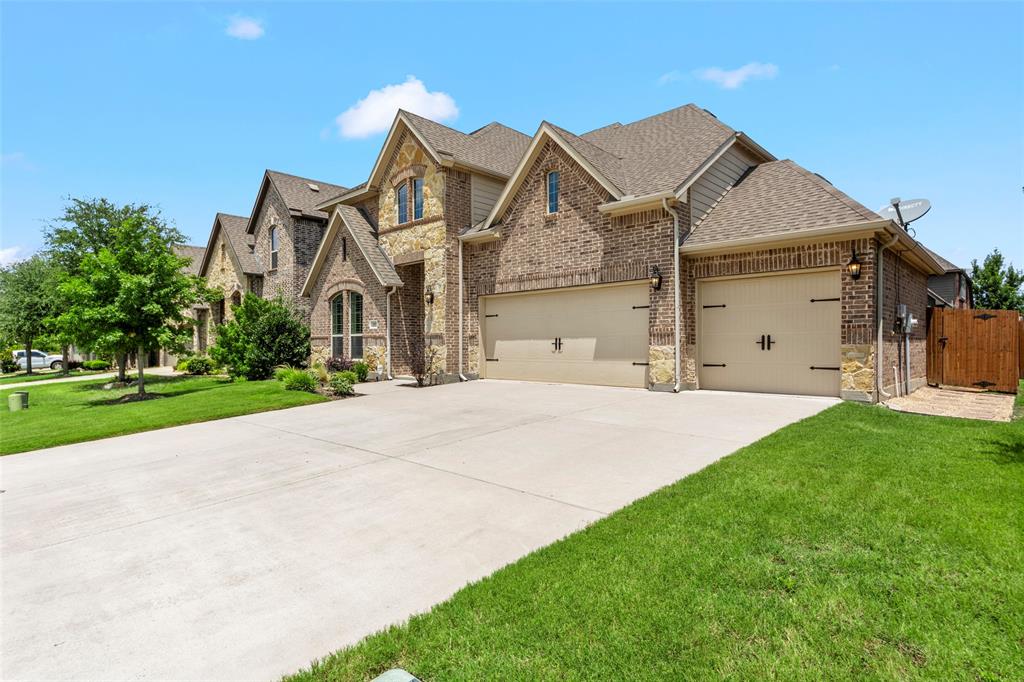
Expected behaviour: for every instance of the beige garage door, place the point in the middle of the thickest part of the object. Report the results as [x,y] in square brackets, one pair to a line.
[593,335]
[776,334]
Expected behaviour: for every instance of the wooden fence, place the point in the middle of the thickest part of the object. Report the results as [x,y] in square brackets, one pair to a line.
[975,348]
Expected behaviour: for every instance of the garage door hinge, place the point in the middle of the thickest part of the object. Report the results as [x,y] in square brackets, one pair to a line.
[491,359]
[720,305]
[708,364]
[834,369]
[494,315]
[822,300]
[640,363]
[637,307]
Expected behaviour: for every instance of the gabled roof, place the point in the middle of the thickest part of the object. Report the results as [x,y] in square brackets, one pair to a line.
[365,238]
[778,198]
[658,155]
[493,149]
[300,195]
[195,253]
[239,244]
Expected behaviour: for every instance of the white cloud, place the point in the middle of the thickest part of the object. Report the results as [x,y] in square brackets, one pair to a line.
[9,255]
[375,112]
[730,80]
[244,28]
[670,77]
[17,160]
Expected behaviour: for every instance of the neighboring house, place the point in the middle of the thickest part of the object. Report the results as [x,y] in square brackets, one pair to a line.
[951,289]
[229,267]
[285,228]
[164,357]
[554,258]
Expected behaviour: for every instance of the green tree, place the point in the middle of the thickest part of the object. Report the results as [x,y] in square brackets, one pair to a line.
[262,335]
[131,295]
[997,286]
[86,227]
[27,302]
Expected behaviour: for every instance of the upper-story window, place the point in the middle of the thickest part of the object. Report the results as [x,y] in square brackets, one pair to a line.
[402,198]
[553,192]
[417,198]
[273,248]
[344,248]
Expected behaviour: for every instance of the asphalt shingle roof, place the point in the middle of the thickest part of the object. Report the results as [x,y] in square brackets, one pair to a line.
[195,253]
[778,197]
[945,264]
[494,147]
[241,242]
[366,238]
[298,196]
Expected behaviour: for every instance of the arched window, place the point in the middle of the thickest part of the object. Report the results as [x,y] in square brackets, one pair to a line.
[338,326]
[273,248]
[355,306]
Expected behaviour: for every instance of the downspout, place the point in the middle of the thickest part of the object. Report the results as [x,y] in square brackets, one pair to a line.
[675,286]
[462,377]
[879,301]
[387,350]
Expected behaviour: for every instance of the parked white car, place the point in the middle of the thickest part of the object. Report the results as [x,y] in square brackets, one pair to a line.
[40,360]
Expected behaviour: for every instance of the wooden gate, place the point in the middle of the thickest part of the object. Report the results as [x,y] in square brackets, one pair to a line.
[975,348]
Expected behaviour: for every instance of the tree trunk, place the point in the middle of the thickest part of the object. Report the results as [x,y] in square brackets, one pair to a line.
[122,367]
[28,356]
[65,359]
[142,378]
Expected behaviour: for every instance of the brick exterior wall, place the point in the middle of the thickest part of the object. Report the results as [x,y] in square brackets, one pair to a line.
[902,283]
[298,241]
[578,245]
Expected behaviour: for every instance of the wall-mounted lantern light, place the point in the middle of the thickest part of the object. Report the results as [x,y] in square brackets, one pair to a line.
[655,277]
[853,267]
[429,298]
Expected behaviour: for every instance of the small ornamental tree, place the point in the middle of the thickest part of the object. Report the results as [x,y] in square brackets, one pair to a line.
[132,294]
[27,302]
[262,335]
[997,285]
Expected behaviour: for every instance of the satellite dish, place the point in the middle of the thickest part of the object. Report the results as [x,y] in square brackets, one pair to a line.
[910,210]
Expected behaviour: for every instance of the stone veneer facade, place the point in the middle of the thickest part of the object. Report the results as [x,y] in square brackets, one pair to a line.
[223,276]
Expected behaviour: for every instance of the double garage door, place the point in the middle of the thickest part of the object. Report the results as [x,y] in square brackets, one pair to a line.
[777,334]
[587,335]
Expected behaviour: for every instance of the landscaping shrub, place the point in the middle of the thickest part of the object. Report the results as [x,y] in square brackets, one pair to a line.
[339,364]
[74,364]
[300,380]
[320,373]
[350,375]
[197,365]
[96,365]
[262,335]
[8,365]
[341,383]
[361,369]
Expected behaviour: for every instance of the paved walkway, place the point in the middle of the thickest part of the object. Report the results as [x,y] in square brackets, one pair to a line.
[953,402]
[246,547]
[150,371]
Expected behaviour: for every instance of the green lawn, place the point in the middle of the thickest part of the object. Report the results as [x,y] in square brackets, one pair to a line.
[83,410]
[857,544]
[39,375]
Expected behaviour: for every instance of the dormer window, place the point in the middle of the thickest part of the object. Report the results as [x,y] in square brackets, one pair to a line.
[402,199]
[417,198]
[273,248]
[553,192]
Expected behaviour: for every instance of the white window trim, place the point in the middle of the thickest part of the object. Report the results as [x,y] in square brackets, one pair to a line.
[274,252]
[547,191]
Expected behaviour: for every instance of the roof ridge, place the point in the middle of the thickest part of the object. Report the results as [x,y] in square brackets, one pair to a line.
[430,120]
[303,178]
[560,129]
[831,190]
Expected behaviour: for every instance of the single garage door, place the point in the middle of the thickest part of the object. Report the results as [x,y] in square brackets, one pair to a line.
[777,334]
[589,335]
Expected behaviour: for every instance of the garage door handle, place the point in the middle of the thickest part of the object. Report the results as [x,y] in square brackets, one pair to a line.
[833,369]
[760,342]
[770,342]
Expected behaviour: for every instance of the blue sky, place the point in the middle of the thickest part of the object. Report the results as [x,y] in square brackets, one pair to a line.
[184,105]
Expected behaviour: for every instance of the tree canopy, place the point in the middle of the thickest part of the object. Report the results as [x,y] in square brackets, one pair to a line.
[997,284]
[28,302]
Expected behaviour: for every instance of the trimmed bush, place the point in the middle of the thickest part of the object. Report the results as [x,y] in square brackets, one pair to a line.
[341,383]
[8,365]
[300,380]
[96,365]
[361,369]
[197,365]
[262,335]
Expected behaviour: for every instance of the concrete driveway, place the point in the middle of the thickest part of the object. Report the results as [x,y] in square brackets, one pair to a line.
[246,547]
